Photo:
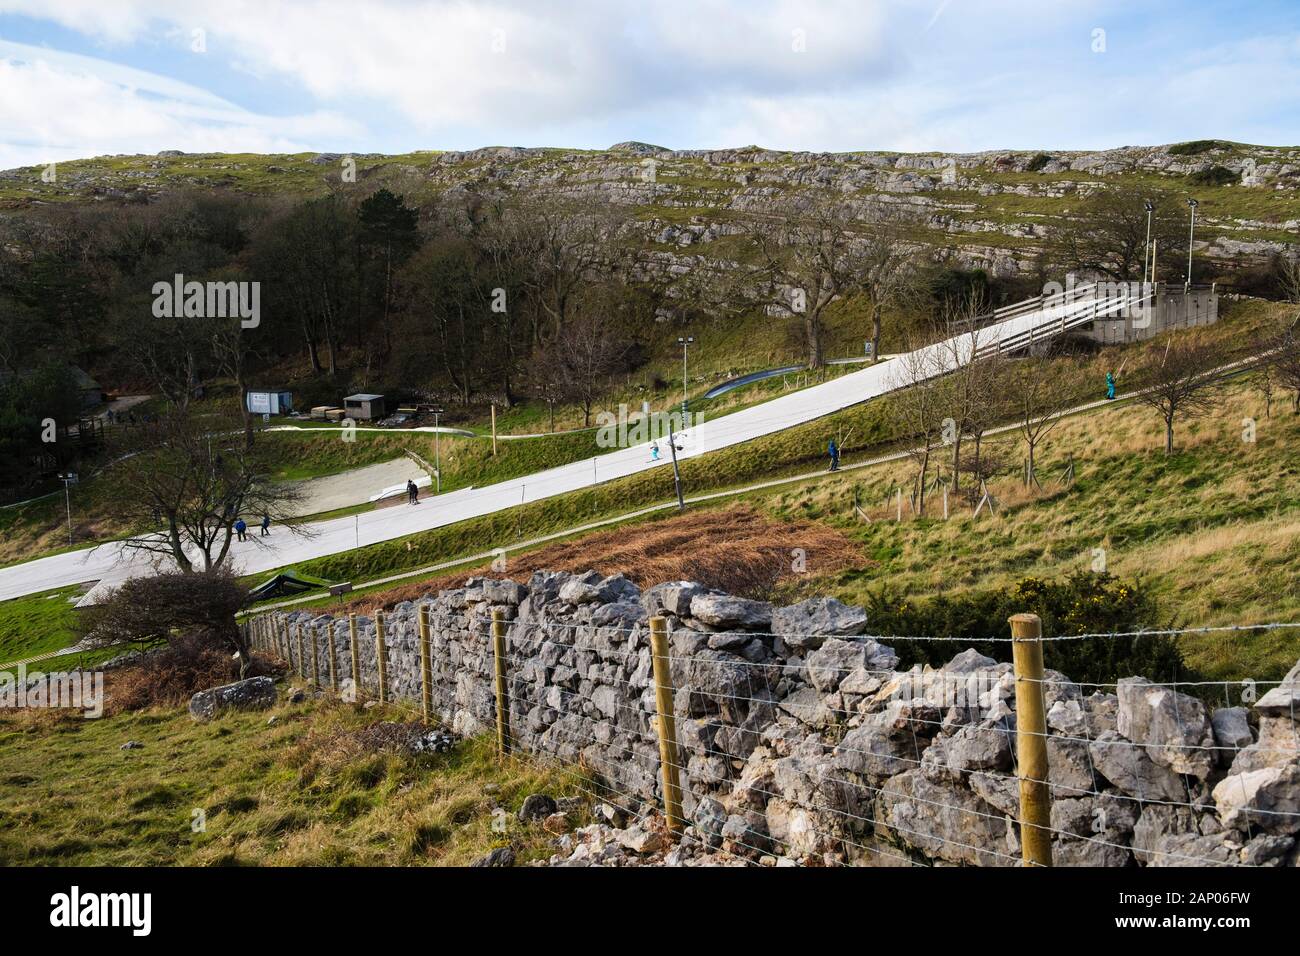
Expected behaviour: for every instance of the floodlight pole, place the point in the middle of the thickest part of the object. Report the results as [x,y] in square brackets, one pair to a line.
[684,343]
[1146,249]
[677,474]
[1191,235]
[437,461]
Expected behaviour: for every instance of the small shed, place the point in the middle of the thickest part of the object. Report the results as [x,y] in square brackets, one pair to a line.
[269,402]
[364,406]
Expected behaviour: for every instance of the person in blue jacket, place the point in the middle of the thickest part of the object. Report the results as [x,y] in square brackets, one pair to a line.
[834,451]
[240,528]
[1110,385]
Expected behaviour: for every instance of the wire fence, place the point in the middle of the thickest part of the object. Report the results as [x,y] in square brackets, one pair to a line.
[833,758]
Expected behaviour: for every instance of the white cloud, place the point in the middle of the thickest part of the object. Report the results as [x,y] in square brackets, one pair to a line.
[800,74]
[61,106]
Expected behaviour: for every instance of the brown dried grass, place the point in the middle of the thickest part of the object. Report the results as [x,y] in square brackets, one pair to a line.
[738,550]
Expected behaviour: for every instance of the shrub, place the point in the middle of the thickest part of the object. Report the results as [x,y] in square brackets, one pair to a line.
[1038,162]
[1082,603]
[179,608]
[1196,147]
[194,616]
[1214,176]
[171,675]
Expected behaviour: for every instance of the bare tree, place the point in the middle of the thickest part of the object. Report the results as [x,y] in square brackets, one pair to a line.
[1282,363]
[975,400]
[884,259]
[920,406]
[587,352]
[1035,399]
[565,244]
[1107,231]
[811,260]
[1288,270]
[231,349]
[1184,381]
[189,484]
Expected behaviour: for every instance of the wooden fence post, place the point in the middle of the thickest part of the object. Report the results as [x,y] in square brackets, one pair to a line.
[381,654]
[302,656]
[315,659]
[356,661]
[1031,740]
[503,705]
[288,645]
[666,723]
[333,658]
[426,677]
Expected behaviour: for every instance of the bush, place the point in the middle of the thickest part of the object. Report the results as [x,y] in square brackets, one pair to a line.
[175,607]
[194,616]
[1038,162]
[1196,147]
[171,675]
[1214,176]
[1082,603]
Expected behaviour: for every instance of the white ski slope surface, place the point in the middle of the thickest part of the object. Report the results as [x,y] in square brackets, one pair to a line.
[110,564]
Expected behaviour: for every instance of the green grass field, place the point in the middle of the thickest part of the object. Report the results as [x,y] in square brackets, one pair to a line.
[297,791]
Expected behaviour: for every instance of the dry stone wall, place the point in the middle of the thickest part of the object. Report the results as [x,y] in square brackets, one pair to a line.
[799,736]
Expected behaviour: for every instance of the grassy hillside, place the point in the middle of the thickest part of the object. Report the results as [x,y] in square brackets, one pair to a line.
[305,789]
[1188,526]
[1184,524]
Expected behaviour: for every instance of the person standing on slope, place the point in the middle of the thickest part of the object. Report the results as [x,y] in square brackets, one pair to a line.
[240,528]
[834,451]
[1110,385]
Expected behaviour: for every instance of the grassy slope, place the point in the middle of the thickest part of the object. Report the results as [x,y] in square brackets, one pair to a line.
[1213,531]
[37,623]
[273,794]
[1157,517]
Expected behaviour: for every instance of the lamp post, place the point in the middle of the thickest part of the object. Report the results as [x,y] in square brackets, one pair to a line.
[1146,249]
[1191,235]
[437,460]
[551,389]
[685,343]
[69,478]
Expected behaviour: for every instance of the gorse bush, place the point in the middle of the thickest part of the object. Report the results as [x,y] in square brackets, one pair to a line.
[1196,147]
[1081,603]
[1214,176]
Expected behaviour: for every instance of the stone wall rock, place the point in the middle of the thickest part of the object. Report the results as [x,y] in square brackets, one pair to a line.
[798,735]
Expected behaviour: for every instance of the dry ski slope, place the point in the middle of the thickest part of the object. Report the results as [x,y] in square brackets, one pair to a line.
[1013,327]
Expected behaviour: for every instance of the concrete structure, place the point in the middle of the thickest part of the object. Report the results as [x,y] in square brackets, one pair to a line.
[1171,306]
[364,406]
[269,402]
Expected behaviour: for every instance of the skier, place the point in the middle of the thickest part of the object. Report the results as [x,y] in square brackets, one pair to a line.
[654,451]
[834,451]
[240,528]
[266,526]
[1110,385]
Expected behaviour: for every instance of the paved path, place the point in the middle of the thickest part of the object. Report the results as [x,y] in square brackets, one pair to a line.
[111,563]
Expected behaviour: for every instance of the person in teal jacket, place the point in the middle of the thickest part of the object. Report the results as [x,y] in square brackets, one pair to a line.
[1110,385]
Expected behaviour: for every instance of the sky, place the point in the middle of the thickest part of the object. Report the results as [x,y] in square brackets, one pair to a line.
[83,78]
